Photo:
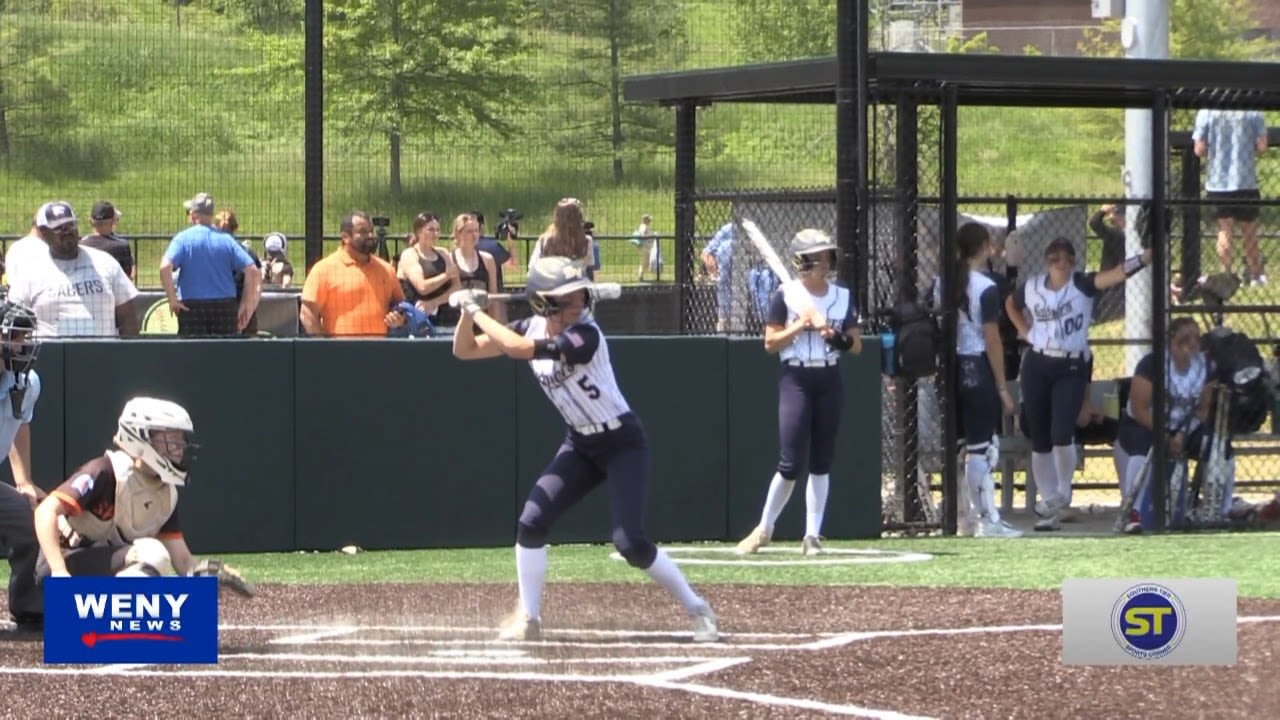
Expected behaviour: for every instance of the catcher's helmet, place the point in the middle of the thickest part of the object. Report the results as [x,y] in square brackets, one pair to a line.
[554,277]
[18,345]
[808,243]
[144,415]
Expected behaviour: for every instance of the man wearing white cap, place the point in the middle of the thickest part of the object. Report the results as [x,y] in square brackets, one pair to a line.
[76,291]
[277,271]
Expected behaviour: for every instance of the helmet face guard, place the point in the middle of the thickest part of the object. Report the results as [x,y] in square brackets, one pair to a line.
[551,302]
[18,345]
[139,434]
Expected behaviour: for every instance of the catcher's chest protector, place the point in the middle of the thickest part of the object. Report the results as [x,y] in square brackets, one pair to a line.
[141,507]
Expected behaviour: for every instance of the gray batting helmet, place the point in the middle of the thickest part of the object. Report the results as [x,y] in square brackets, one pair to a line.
[554,277]
[809,242]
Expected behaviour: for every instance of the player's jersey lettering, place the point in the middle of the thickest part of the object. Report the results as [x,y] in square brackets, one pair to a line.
[585,393]
[835,305]
[1059,318]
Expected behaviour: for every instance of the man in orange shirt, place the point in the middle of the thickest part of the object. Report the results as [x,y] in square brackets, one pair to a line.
[351,292]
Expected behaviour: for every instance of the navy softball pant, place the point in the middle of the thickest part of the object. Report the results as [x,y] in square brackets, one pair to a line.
[810,403]
[1052,393]
[619,457]
[979,402]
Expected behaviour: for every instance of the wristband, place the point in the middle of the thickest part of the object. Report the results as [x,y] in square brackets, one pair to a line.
[1133,265]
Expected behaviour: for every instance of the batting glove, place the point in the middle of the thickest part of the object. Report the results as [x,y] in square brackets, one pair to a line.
[471,301]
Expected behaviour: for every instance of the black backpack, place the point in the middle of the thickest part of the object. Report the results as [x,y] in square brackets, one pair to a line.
[1238,364]
[916,341]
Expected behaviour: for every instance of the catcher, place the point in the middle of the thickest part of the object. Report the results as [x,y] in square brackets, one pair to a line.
[118,513]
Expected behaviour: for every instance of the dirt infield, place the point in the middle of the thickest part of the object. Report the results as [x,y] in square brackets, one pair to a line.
[624,650]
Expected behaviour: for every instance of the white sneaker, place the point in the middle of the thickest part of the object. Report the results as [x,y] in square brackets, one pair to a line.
[966,527]
[1047,514]
[1259,281]
[520,627]
[752,543]
[996,529]
[705,629]
[810,545]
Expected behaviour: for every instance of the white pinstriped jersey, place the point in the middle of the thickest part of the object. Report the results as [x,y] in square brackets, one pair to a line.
[1184,387]
[585,393]
[836,305]
[970,337]
[1059,318]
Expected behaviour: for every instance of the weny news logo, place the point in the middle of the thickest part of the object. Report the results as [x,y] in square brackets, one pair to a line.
[131,620]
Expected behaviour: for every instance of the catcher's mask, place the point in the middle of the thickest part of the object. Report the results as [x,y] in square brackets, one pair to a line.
[810,244]
[18,350]
[552,280]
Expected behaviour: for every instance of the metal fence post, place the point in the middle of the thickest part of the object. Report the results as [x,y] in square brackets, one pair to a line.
[686,152]
[946,372]
[1159,295]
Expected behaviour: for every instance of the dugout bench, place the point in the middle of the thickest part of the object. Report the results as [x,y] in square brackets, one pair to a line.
[1015,450]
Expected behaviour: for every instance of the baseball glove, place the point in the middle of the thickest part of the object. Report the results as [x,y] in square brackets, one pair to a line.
[228,577]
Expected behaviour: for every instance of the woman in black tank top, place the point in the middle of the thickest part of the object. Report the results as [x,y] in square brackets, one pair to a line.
[427,274]
[476,268]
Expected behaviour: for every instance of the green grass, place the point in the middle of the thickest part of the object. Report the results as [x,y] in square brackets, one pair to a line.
[1038,563]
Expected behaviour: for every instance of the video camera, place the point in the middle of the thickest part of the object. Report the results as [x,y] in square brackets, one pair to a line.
[380,225]
[508,225]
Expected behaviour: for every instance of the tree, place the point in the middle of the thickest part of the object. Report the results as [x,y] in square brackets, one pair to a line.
[263,15]
[32,104]
[1198,30]
[611,38]
[397,67]
[772,30]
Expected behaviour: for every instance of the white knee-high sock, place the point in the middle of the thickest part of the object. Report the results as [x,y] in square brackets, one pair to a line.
[1121,460]
[665,573]
[531,572]
[1046,475]
[1064,459]
[815,503]
[779,493]
[975,475]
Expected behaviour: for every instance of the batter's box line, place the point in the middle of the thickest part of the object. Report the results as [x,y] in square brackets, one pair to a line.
[504,661]
[547,643]
[339,628]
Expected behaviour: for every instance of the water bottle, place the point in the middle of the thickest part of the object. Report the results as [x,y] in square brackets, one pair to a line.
[888,362]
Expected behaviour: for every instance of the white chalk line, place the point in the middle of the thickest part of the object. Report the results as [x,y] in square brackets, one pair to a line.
[685,645]
[494,661]
[780,701]
[118,668]
[314,636]
[668,680]
[486,630]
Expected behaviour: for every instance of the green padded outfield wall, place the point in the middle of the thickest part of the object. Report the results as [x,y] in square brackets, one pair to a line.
[853,502]
[240,396]
[316,444]
[401,445]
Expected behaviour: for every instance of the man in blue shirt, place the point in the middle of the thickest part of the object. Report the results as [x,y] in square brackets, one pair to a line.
[20,383]
[501,248]
[1231,141]
[203,296]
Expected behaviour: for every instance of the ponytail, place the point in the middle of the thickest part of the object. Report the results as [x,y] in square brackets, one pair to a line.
[971,238]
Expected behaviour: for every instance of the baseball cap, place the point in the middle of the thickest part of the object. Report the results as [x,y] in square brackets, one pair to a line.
[274,242]
[103,210]
[53,215]
[201,203]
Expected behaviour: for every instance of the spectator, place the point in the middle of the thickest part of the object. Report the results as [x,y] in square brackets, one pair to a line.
[590,229]
[1232,140]
[105,218]
[277,271]
[646,242]
[21,249]
[227,222]
[75,291]
[501,248]
[477,270]
[566,236]
[203,297]
[427,275]
[351,292]
[1108,225]
[717,256]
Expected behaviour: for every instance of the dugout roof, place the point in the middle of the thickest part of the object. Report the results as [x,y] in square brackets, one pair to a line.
[1008,80]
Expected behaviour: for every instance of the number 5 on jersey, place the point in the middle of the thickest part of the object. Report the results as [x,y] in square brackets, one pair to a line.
[589,388]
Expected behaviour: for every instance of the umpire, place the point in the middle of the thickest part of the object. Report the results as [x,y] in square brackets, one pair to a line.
[18,350]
